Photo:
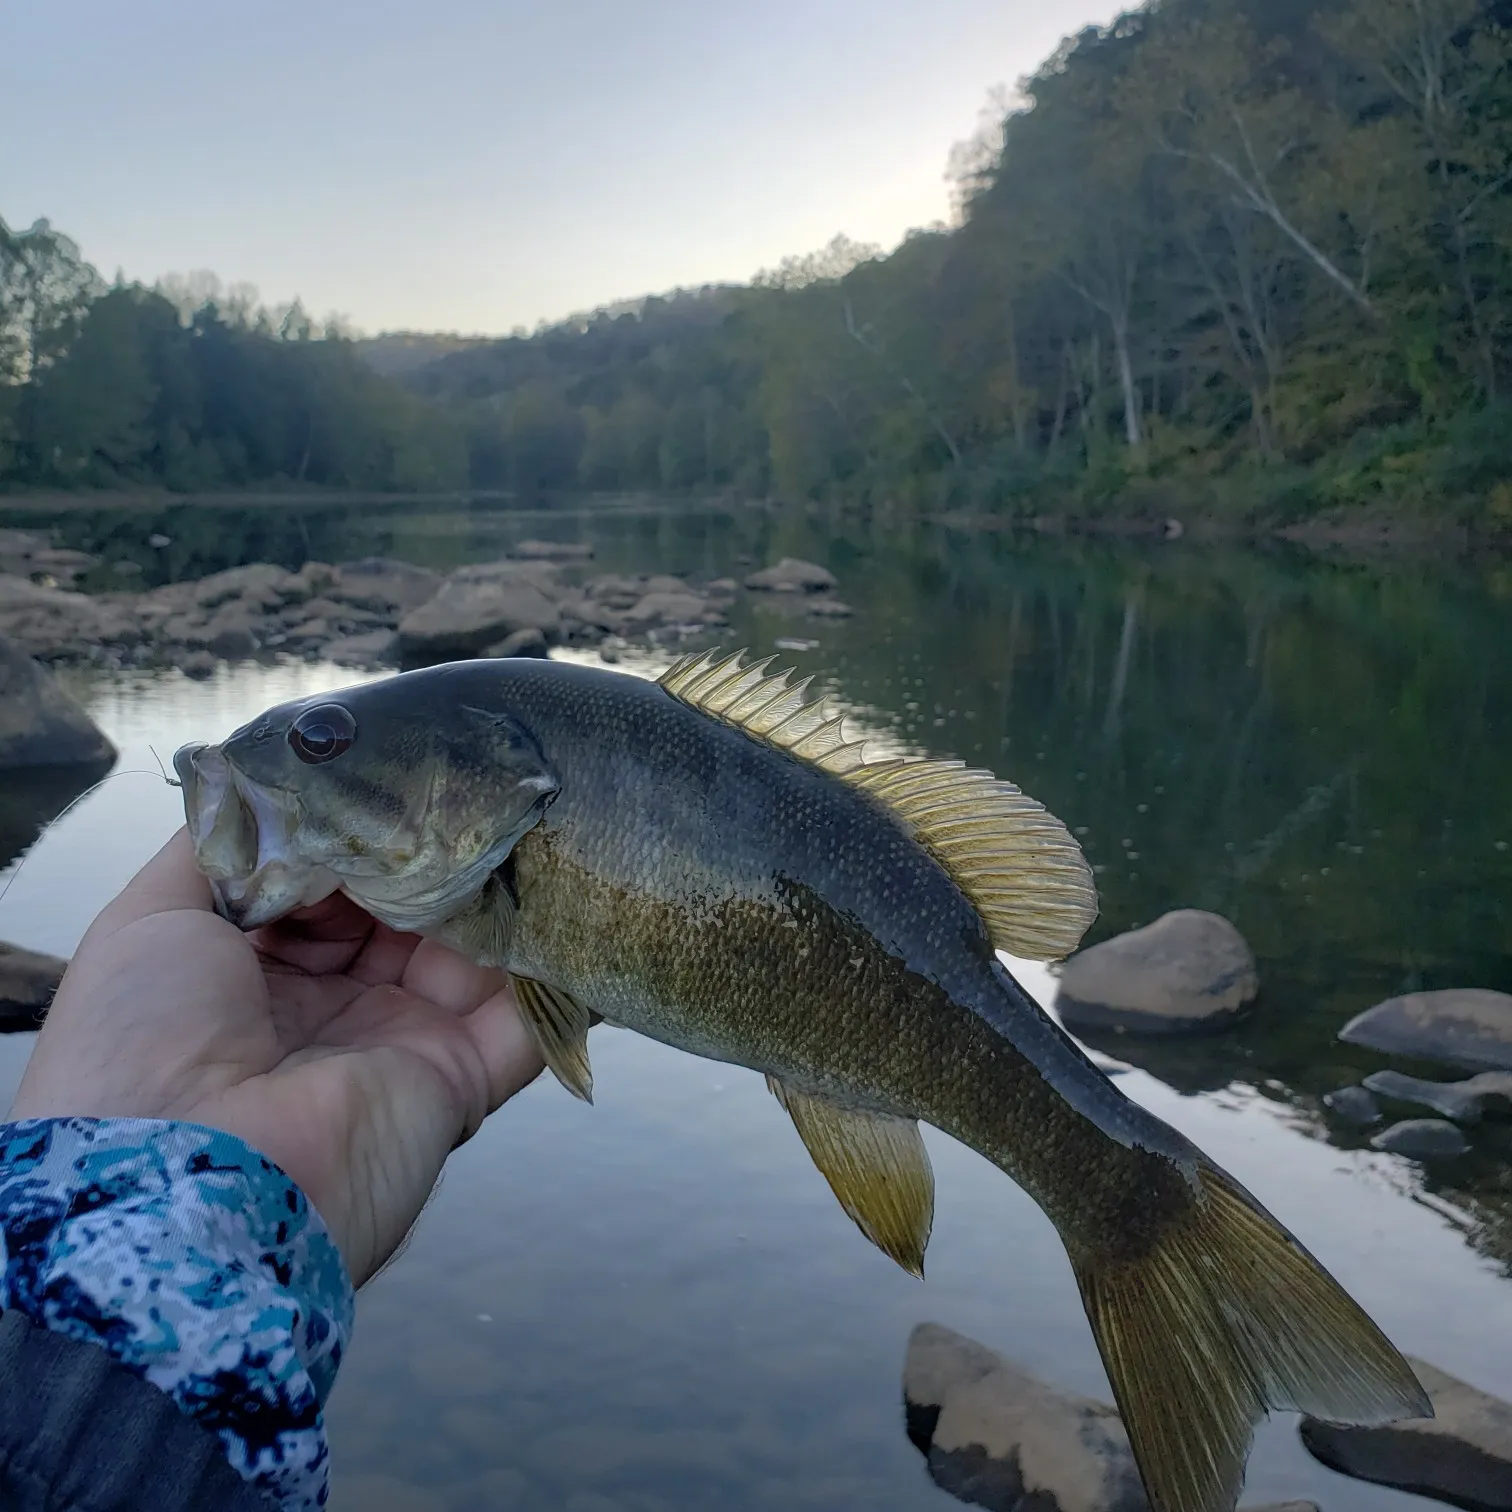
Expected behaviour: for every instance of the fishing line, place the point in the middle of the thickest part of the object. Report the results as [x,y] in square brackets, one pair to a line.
[73,803]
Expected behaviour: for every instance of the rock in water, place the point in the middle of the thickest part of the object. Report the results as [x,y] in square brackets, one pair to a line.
[1463,1454]
[384,585]
[1422,1139]
[1465,1102]
[40,723]
[28,980]
[474,608]
[1353,1105]
[369,651]
[995,1436]
[1187,970]
[521,643]
[792,575]
[1461,1026]
[663,607]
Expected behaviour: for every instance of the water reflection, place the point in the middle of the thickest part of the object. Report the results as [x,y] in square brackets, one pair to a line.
[30,800]
[655,1302]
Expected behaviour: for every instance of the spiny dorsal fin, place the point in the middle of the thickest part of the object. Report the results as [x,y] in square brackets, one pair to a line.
[876,1165]
[1016,862]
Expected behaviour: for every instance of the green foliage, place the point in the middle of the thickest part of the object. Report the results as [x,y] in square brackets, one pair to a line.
[1221,249]
[1257,251]
[113,387]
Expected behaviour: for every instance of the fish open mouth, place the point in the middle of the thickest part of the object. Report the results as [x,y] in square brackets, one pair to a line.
[245,841]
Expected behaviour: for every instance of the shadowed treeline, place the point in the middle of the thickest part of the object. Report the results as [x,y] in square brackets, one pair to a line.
[1235,257]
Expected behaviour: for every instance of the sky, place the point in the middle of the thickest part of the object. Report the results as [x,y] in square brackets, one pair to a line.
[477,165]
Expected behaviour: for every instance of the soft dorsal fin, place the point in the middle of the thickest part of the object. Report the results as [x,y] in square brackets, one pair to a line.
[1015,861]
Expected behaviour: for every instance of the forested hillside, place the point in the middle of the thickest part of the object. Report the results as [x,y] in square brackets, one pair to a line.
[1255,254]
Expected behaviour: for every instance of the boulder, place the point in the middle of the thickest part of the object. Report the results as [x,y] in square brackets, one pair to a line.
[1465,1102]
[57,625]
[28,980]
[1353,1105]
[30,556]
[1463,1454]
[615,591]
[995,1436]
[521,643]
[1187,970]
[384,585]
[830,608]
[475,608]
[1422,1139]
[722,588]
[663,607]
[791,575]
[370,651]
[1460,1026]
[552,551]
[41,724]
[260,584]
[198,665]
[234,630]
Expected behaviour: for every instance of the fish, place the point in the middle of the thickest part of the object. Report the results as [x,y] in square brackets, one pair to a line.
[710,860]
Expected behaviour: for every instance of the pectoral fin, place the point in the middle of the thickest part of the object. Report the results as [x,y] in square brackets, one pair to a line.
[483,929]
[876,1165]
[560,1025]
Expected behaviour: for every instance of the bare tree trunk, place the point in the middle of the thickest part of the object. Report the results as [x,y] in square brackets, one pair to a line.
[866,343]
[1133,432]
[1113,718]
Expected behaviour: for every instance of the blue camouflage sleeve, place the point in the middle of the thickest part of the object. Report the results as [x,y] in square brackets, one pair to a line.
[198,1265]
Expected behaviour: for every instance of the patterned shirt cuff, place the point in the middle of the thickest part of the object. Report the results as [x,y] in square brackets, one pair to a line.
[198,1265]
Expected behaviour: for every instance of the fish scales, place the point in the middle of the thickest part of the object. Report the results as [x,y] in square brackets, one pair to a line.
[721,896]
[708,862]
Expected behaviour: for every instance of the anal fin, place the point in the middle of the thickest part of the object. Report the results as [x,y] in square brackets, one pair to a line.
[876,1165]
[560,1025]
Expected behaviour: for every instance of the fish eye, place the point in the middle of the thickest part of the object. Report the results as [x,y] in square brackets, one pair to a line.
[322,733]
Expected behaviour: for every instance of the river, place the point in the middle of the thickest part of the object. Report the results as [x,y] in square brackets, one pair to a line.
[655,1303]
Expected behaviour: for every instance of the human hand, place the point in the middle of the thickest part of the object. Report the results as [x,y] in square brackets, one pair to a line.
[353,1057]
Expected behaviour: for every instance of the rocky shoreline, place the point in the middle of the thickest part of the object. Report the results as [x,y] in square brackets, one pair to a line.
[371,613]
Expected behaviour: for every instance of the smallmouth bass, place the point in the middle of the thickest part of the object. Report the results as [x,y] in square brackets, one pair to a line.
[707,860]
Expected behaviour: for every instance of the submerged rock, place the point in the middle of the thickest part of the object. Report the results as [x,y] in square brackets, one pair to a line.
[1422,1139]
[997,1437]
[1461,1026]
[1187,970]
[41,724]
[1465,1102]
[792,575]
[28,980]
[1353,1105]
[1463,1454]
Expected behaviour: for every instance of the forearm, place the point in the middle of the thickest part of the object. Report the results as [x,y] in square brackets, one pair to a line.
[188,1262]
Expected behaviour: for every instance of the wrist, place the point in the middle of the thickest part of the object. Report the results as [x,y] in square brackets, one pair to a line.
[197,1264]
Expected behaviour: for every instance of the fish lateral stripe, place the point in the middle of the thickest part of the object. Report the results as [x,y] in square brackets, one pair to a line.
[1016,862]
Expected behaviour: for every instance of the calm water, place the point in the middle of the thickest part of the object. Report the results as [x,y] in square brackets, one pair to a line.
[655,1303]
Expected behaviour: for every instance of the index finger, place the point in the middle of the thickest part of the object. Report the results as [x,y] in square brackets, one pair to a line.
[169,883]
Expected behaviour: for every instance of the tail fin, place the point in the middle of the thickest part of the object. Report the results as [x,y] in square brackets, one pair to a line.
[1226,1317]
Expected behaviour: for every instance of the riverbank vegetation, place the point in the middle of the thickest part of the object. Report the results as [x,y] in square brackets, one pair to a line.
[1249,258]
